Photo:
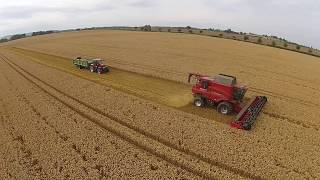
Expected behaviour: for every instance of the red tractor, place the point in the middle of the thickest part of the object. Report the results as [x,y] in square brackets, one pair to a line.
[226,94]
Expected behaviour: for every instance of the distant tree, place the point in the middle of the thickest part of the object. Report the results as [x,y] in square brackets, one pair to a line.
[220,35]
[246,38]
[200,31]
[310,50]
[228,31]
[259,40]
[3,40]
[147,28]
[233,37]
[17,36]
[169,30]
[273,43]
[179,30]
[135,28]
[285,44]
[45,32]
[298,47]
[188,27]
[190,31]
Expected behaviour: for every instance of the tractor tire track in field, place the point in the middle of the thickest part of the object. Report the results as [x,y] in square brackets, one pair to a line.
[65,139]
[38,114]
[186,153]
[75,148]
[189,108]
[27,160]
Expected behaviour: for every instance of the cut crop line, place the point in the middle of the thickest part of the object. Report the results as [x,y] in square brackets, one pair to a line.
[269,93]
[286,81]
[124,87]
[296,100]
[137,130]
[253,89]
[15,49]
[291,120]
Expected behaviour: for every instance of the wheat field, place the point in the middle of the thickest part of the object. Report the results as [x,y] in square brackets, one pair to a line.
[145,102]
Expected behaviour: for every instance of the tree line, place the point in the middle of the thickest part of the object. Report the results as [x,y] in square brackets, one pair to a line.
[20,36]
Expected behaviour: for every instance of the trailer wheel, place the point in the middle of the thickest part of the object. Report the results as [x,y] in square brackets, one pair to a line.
[99,71]
[224,108]
[246,126]
[198,102]
[91,69]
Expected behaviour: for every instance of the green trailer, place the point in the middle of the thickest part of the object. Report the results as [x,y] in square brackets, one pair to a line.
[94,65]
[82,63]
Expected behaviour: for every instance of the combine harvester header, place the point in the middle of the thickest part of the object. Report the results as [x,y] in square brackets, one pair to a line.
[223,92]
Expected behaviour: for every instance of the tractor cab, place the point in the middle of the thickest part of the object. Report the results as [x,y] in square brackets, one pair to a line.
[97,62]
[97,65]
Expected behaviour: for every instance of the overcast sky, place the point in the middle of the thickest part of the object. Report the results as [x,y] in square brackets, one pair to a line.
[295,20]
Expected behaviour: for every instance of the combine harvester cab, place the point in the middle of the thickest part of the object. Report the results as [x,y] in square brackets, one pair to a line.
[224,92]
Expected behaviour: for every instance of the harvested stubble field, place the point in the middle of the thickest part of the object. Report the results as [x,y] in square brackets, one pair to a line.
[137,121]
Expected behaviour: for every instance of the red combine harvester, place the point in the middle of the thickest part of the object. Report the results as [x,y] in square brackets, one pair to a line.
[223,92]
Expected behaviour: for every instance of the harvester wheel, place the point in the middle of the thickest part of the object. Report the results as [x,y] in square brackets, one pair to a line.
[224,108]
[198,102]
